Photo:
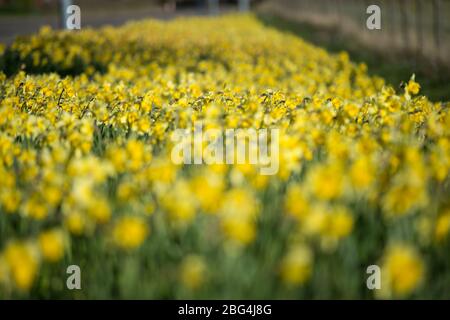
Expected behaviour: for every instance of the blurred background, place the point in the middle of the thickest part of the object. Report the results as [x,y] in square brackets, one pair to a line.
[414,37]
[414,26]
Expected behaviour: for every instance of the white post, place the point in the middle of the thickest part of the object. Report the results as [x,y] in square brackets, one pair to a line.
[64,4]
[244,5]
[213,6]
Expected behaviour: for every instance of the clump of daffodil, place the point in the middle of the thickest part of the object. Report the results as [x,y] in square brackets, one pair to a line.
[296,266]
[87,149]
[22,260]
[296,203]
[412,87]
[4,278]
[193,271]
[329,224]
[402,271]
[51,244]
[238,213]
[327,181]
[75,222]
[129,232]
[442,227]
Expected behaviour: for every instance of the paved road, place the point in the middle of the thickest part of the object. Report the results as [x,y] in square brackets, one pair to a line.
[12,26]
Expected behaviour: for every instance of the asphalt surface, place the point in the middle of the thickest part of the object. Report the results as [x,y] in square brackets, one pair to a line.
[13,26]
